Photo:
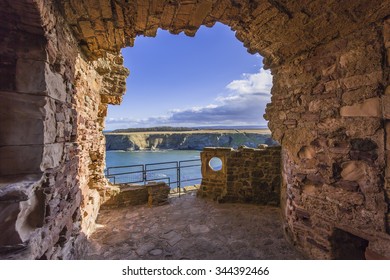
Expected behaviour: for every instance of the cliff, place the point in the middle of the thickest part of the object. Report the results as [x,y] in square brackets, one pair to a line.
[185,140]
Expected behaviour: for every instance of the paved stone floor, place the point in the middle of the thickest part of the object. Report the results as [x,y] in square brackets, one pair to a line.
[191,228]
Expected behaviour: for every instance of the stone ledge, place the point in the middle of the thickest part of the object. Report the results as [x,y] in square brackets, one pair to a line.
[153,194]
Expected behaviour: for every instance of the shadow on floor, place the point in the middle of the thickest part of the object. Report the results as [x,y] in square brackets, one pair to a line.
[191,228]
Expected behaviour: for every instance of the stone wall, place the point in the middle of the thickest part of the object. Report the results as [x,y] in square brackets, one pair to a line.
[53,104]
[91,98]
[327,112]
[127,194]
[153,193]
[247,175]
[39,190]
[158,193]
[60,66]
[386,114]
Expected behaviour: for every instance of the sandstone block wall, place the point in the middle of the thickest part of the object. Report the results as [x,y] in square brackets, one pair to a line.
[51,145]
[247,175]
[327,111]
[60,66]
[39,187]
[126,196]
[154,194]
[158,194]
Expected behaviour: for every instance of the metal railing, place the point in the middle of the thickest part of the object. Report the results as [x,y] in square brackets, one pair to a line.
[172,172]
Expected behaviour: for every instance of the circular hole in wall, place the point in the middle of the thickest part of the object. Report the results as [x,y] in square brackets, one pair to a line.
[215,164]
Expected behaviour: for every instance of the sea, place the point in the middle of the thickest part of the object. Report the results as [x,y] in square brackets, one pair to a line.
[138,167]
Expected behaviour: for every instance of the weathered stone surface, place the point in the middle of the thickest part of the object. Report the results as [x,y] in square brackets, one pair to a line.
[251,21]
[386,107]
[52,155]
[144,236]
[155,252]
[158,194]
[30,76]
[246,175]
[198,229]
[144,249]
[9,215]
[45,132]
[387,130]
[21,120]
[329,82]
[172,237]
[20,159]
[369,108]
[22,212]
[154,194]
[127,195]
[307,153]
[353,171]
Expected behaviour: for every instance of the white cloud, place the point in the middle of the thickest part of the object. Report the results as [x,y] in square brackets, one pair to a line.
[252,83]
[243,104]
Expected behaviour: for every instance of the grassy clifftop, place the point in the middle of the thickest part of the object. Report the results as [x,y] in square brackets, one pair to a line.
[187,140]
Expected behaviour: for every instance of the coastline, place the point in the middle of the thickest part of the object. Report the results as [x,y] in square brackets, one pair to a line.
[187,140]
[203,131]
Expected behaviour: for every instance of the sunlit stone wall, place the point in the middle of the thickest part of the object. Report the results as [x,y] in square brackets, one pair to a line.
[246,175]
[60,66]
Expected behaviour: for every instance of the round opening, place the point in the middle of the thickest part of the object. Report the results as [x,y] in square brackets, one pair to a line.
[215,164]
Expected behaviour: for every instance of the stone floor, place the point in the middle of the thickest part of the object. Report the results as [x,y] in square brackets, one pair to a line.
[191,228]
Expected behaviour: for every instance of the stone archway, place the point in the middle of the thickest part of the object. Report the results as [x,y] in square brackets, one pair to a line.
[329,109]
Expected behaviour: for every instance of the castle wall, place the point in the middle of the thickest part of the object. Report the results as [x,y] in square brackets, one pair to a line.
[328,109]
[247,175]
[52,147]
[60,66]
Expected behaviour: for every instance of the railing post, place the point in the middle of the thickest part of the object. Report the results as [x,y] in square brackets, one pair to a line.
[144,174]
[178,177]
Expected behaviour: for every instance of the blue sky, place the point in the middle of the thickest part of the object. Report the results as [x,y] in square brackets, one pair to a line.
[206,80]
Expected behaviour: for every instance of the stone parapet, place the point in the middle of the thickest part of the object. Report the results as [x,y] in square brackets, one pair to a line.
[158,194]
[153,194]
[246,175]
[330,108]
[128,195]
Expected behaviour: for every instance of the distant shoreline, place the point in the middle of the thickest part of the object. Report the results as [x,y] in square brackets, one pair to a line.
[187,140]
[200,131]
[187,129]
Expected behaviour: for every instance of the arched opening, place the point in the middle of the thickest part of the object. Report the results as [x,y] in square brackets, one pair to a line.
[209,80]
[329,109]
[245,101]
[312,98]
[185,94]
